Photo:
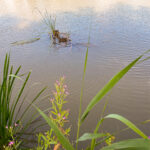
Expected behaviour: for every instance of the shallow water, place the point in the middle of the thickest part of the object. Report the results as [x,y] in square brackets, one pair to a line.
[120,31]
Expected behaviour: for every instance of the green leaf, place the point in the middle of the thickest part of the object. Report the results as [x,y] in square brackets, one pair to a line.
[89,136]
[13,107]
[25,42]
[131,144]
[128,123]
[13,75]
[81,95]
[62,139]
[108,87]
[93,142]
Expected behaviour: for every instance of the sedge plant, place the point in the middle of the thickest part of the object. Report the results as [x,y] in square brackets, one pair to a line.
[10,106]
[49,21]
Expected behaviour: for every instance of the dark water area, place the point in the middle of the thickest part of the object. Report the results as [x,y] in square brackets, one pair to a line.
[120,31]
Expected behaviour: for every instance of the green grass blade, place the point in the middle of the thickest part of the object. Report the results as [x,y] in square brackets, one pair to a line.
[146,52]
[128,123]
[108,87]
[5,66]
[93,142]
[33,117]
[62,139]
[15,76]
[20,107]
[9,89]
[4,112]
[145,59]
[13,79]
[82,88]
[81,97]
[18,97]
[90,136]
[131,144]
[36,97]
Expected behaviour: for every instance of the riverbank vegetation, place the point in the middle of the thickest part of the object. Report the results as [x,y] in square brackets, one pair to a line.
[12,127]
[12,111]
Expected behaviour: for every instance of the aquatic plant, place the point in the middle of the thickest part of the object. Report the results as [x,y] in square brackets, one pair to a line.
[11,115]
[58,115]
[55,35]
[13,143]
[25,41]
[141,143]
[49,21]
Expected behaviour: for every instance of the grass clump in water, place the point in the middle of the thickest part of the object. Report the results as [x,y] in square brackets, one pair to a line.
[55,35]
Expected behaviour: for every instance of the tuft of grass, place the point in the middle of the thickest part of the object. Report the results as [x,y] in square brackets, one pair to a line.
[8,106]
[49,21]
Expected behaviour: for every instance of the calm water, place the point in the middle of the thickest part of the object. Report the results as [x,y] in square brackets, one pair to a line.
[120,31]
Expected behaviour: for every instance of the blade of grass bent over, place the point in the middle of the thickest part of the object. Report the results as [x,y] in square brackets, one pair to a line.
[62,139]
[128,123]
[30,104]
[18,97]
[25,41]
[136,144]
[34,117]
[28,123]
[114,134]
[108,87]
[90,136]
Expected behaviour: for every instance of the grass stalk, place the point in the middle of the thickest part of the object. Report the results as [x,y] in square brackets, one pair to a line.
[82,88]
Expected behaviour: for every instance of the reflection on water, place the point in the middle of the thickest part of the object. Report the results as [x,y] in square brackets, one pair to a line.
[26,8]
[120,32]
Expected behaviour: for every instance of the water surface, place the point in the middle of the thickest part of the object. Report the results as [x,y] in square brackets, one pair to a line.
[120,31]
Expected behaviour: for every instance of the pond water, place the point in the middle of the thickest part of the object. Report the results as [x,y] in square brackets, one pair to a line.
[120,31]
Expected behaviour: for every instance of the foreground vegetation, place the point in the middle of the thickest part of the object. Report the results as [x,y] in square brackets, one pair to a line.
[57,137]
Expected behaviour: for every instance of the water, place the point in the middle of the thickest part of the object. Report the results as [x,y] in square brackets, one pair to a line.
[120,31]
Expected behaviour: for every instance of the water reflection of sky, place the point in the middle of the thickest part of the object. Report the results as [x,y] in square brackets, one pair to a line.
[26,9]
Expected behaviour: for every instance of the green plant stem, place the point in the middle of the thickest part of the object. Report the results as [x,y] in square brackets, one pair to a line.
[81,94]
[81,100]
